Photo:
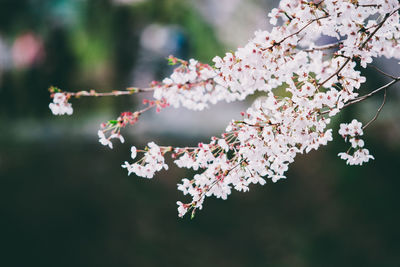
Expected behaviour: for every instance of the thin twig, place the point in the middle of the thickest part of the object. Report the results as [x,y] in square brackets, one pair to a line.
[382,72]
[334,74]
[295,33]
[134,90]
[370,5]
[377,113]
[362,98]
[129,91]
[323,47]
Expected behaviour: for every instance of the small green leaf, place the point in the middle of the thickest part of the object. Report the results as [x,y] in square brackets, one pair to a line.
[133,90]
[54,89]
[172,61]
[113,122]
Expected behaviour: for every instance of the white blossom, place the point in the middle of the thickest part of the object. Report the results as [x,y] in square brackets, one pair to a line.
[360,155]
[151,162]
[103,140]
[60,105]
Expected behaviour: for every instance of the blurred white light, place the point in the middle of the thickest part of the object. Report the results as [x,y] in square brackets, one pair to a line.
[154,37]
[160,39]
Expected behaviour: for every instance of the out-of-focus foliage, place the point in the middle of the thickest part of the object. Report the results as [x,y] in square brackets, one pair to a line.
[88,44]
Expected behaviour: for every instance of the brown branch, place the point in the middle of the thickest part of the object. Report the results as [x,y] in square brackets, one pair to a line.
[334,74]
[369,5]
[129,91]
[362,98]
[324,47]
[295,33]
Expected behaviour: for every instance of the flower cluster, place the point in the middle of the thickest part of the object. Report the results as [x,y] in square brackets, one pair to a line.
[191,85]
[318,81]
[113,127]
[151,162]
[352,132]
[106,141]
[60,105]
[276,129]
[272,59]
[259,147]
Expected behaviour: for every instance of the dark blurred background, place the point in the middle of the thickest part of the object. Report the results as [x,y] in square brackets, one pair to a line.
[65,200]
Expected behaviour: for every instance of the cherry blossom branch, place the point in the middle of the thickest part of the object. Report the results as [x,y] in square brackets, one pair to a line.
[274,129]
[377,29]
[126,118]
[368,5]
[293,34]
[324,47]
[334,74]
[300,30]
[361,47]
[128,91]
[203,194]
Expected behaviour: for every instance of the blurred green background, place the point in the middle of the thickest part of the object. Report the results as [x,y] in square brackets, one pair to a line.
[65,200]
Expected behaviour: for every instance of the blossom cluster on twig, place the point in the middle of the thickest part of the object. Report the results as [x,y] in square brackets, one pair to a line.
[319,81]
